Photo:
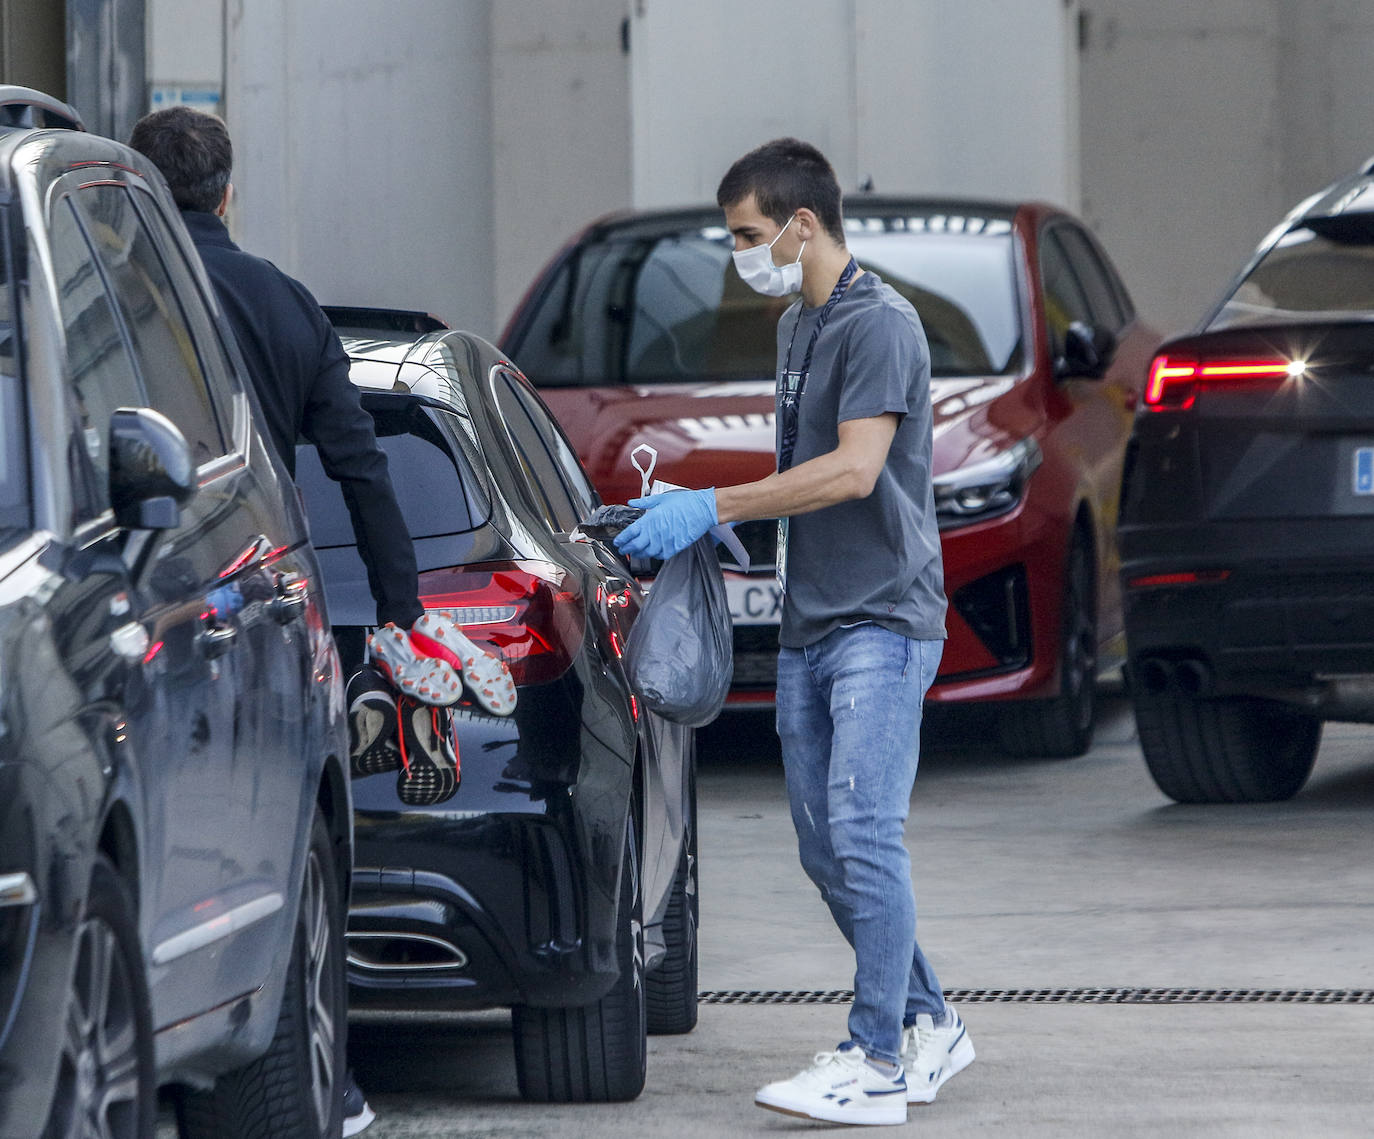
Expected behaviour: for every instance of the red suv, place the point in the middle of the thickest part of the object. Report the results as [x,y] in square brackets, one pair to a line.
[640,332]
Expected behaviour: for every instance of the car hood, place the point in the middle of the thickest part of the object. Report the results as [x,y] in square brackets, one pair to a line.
[721,434]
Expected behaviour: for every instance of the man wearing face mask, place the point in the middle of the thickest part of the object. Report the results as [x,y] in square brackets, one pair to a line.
[863,615]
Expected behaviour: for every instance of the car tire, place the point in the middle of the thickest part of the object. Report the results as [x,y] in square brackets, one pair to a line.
[1231,750]
[597,1053]
[1062,727]
[295,1089]
[105,1082]
[671,989]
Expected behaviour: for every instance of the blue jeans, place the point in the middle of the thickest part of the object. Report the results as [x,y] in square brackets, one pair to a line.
[849,718]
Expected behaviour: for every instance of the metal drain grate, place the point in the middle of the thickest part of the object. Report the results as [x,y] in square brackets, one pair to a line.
[1059,996]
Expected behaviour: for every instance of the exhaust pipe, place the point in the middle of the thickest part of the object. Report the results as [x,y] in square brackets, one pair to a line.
[393,952]
[1190,676]
[1155,675]
[1193,678]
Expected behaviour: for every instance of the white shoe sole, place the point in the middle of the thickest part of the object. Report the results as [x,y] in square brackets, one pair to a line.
[355,1124]
[959,1059]
[880,1115]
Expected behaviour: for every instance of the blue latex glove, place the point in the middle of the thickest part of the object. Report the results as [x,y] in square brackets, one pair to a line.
[671,522]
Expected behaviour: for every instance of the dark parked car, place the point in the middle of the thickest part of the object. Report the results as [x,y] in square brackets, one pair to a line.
[557,876]
[175,820]
[641,331]
[1247,522]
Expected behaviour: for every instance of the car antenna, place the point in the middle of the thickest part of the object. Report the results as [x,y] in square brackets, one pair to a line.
[866,186]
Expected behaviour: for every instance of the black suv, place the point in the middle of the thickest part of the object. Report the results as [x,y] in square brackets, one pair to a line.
[175,813]
[1247,517]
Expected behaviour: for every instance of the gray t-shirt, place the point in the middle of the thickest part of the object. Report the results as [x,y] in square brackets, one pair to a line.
[877,558]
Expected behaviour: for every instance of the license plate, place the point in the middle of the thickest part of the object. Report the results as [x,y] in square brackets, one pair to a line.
[753,600]
[1364,470]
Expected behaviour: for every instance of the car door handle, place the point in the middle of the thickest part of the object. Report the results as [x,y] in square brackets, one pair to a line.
[216,640]
[291,599]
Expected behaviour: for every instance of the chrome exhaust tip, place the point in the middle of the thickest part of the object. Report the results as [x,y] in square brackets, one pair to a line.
[395,952]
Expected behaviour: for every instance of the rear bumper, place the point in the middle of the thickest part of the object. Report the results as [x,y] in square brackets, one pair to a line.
[1277,626]
[521,933]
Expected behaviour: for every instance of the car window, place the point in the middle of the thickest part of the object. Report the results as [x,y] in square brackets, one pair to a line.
[13,451]
[1064,299]
[102,372]
[161,340]
[569,467]
[635,309]
[1322,269]
[541,471]
[436,487]
[223,382]
[1093,277]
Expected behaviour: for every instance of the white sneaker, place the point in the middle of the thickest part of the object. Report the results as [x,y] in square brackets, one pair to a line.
[932,1053]
[839,1087]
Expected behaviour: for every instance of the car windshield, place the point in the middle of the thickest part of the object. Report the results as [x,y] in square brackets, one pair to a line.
[436,486]
[1324,271]
[663,308]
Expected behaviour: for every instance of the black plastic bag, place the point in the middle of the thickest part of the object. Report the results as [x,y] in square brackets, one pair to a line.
[679,656]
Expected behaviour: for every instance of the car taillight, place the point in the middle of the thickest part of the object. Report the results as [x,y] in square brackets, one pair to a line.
[528,612]
[1173,380]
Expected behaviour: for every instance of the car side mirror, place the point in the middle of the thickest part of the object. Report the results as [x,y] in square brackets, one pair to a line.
[152,475]
[1087,352]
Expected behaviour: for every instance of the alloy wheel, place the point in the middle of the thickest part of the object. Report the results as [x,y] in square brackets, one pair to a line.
[321,980]
[100,1047]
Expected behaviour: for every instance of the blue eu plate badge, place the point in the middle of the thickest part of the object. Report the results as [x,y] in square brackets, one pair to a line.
[1364,470]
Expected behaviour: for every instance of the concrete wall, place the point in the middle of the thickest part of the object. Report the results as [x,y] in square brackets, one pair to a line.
[363,135]
[1204,124]
[560,130]
[941,96]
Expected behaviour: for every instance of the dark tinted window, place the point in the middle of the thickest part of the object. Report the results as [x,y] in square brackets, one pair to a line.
[161,340]
[569,467]
[220,376]
[666,307]
[1325,272]
[541,471]
[102,372]
[1092,275]
[437,489]
[1064,299]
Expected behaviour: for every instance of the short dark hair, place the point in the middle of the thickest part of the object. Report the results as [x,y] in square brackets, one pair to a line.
[193,151]
[784,175]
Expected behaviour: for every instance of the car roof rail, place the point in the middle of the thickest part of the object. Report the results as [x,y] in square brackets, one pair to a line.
[383,319]
[25,108]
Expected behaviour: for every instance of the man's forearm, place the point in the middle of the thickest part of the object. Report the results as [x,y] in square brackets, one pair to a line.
[842,475]
[826,480]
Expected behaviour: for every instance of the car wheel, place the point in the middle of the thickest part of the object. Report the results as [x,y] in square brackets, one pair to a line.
[671,989]
[105,1083]
[1232,750]
[1062,727]
[295,1089]
[594,1054]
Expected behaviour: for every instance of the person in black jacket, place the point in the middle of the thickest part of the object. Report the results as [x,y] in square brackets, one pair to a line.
[300,374]
[296,363]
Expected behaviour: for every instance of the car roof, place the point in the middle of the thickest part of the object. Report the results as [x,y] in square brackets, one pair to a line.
[658,222]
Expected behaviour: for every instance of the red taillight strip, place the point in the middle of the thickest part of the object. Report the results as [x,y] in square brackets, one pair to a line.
[1172,382]
[1190,577]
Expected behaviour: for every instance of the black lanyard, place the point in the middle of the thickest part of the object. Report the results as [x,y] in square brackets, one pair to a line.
[789,400]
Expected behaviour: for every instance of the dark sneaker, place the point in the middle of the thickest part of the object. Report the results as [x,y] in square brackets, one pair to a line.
[429,756]
[357,1115]
[373,735]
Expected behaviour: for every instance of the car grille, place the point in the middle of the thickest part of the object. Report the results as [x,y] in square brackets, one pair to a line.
[997,608]
[756,656]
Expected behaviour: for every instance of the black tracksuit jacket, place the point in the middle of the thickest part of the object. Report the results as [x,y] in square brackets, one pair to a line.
[300,374]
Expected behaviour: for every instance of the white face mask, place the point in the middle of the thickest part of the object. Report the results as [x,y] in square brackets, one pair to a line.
[756,269]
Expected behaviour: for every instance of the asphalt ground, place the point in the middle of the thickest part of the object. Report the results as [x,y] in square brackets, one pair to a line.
[1129,967]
